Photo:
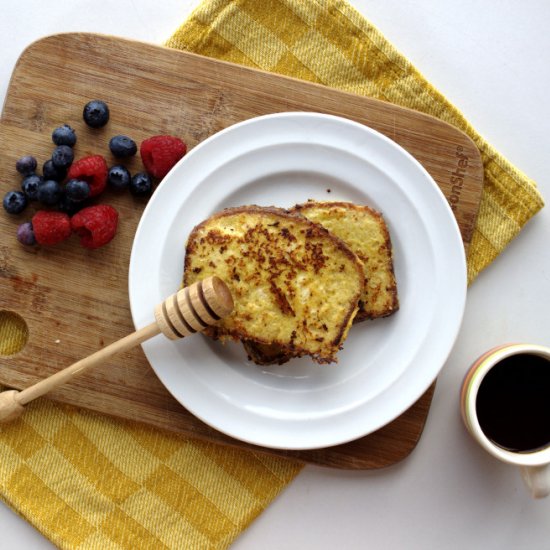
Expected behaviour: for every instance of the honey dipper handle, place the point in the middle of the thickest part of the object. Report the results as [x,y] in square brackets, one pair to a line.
[12,401]
[189,311]
[62,376]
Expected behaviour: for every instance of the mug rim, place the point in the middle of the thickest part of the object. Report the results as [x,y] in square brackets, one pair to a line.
[470,387]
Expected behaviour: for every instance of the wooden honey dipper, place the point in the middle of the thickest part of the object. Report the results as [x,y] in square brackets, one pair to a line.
[190,310]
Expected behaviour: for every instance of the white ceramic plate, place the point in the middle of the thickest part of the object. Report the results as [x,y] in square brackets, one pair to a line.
[386,364]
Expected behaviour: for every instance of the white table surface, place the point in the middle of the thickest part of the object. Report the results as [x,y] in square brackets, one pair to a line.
[491,60]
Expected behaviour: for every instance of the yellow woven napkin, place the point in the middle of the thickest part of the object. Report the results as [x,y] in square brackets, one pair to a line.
[88,481]
[328,42]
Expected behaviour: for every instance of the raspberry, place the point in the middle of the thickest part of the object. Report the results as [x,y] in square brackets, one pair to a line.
[96,225]
[51,227]
[93,170]
[160,153]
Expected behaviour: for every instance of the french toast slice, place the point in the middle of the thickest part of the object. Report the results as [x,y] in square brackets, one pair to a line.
[364,230]
[295,285]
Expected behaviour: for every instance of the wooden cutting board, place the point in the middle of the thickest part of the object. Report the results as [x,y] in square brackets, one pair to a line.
[75,301]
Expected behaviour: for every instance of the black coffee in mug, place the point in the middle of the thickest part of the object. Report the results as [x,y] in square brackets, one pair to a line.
[513,403]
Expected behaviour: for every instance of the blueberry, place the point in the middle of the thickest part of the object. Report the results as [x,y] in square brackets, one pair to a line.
[62,156]
[14,202]
[25,234]
[69,206]
[50,192]
[64,135]
[52,172]
[96,113]
[122,146]
[77,190]
[119,177]
[30,185]
[26,165]
[141,184]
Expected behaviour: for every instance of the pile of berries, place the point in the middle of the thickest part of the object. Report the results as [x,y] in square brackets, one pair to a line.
[66,184]
[95,225]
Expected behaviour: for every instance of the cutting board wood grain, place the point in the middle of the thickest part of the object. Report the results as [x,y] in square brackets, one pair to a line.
[75,301]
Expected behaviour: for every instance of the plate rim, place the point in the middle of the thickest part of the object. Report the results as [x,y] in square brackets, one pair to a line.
[461,282]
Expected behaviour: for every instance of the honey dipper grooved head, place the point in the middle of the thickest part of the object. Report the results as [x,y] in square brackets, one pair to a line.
[218,296]
[194,308]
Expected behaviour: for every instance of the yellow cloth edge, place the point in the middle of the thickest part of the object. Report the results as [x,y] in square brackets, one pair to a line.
[42,480]
[516,193]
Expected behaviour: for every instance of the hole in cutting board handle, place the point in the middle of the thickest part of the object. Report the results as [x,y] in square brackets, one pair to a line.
[14,333]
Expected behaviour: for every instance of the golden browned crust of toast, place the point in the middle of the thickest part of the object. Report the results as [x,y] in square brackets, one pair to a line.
[266,354]
[295,285]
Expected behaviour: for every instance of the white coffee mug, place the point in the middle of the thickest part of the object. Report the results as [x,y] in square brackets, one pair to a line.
[534,464]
